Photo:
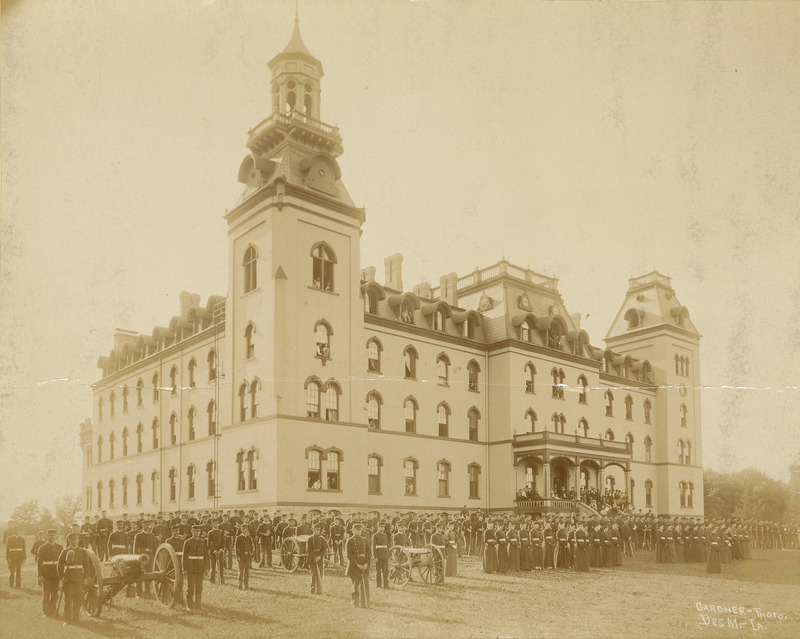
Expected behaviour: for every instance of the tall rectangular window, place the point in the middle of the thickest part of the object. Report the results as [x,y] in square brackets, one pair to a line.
[374,477]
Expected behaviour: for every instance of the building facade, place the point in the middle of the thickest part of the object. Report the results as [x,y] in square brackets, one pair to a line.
[312,385]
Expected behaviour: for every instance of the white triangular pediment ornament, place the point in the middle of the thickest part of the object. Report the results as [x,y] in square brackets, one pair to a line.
[523,302]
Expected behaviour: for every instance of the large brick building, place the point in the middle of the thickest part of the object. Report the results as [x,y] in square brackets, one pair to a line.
[312,385]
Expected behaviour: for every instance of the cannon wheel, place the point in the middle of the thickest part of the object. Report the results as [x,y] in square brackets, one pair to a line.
[290,554]
[93,594]
[399,566]
[169,584]
[431,567]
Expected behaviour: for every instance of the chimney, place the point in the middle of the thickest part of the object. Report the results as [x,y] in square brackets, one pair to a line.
[394,274]
[187,301]
[367,274]
[423,290]
[447,289]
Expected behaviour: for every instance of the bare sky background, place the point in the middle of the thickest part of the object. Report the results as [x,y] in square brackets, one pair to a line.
[593,141]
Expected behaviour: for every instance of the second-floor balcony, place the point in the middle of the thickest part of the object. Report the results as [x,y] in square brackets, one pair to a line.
[570,443]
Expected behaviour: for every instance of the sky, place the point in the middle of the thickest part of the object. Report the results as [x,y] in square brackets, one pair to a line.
[590,141]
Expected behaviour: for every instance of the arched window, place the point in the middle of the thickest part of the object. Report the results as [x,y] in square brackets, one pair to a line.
[322,266]
[443,412]
[249,341]
[307,104]
[173,434]
[628,407]
[255,394]
[332,467]
[474,418]
[154,486]
[250,266]
[684,412]
[190,473]
[323,340]
[211,487]
[443,472]
[647,408]
[312,399]
[139,491]
[314,470]
[583,427]
[190,419]
[648,449]
[558,383]
[473,369]
[530,420]
[530,378]
[648,494]
[374,402]
[686,368]
[100,449]
[682,489]
[609,404]
[291,98]
[332,403]
[438,320]
[371,302]
[99,494]
[252,469]
[530,477]
[155,387]
[680,451]
[526,331]
[111,486]
[241,480]
[474,473]
[629,440]
[374,349]
[442,368]
[211,409]
[584,384]
[472,325]
[139,388]
[407,311]
[139,434]
[124,399]
[125,442]
[690,495]
[173,484]
[155,433]
[192,368]
[374,463]
[243,390]
[559,422]
[112,400]
[112,439]
[212,365]
[173,380]
[410,466]
[410,408]
[410,358]
[609,435]
[687,457]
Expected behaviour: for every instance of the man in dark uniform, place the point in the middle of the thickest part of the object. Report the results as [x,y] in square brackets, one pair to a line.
[265,535]
[117,542]
[161,530]
[15,556]
[38,543]
[47,565]
[104,529]
[244,554]
[230,535]
[145,543]
[358,559]
[216,551]
[194,563]
[380,550]
[90,530]
[73,564]
[317,550]
[337,540]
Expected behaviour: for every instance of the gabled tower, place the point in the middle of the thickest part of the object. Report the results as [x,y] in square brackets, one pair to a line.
[294,312]
[653,325]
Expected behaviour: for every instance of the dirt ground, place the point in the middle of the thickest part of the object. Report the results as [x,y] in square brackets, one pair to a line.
[640,599]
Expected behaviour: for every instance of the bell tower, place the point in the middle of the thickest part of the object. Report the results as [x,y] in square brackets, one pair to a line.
[295,78]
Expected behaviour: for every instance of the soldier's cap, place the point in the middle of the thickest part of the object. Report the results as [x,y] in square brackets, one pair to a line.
[52,531]
[73,534]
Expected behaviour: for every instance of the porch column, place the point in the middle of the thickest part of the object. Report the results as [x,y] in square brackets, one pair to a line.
[577,486]
[628,484]
[546,466]
[601,479]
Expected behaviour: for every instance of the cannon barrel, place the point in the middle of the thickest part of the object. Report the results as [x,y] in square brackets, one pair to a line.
[131,559]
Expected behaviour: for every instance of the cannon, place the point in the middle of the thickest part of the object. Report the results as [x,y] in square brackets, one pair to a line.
[428,561]
[294,553]
[126,571]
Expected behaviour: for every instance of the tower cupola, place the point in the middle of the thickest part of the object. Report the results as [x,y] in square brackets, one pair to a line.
[295,78]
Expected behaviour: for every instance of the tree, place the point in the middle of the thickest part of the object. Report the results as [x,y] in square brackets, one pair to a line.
[722,494]
[66,508]
[46,519]
[26,516]
[748,493]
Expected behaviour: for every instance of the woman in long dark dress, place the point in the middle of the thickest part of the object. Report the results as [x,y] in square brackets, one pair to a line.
[489,549]
[549,546]
[451,551]
[581,548]
[513,548]
[714,564]
[536,546]
[502,548]
[596,557]
[616,546]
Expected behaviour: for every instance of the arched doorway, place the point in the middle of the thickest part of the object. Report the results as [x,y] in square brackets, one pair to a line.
[560,471]
[529,478]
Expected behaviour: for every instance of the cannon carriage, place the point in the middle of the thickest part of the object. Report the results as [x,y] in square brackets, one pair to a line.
[428,562]
[126,571]
[294,554]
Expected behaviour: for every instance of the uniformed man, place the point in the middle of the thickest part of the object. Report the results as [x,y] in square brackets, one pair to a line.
[358,559]
[117,542]
[15,556]
[47,565]
[266,534]
[216,551]
[73,565]
[90,530]
[161,530]
[317,551]
[230,535]
[194,562]
[380,550]
[37,543]
[145,543]
[337,540]
[439,541]
[104,530]
[244,555]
